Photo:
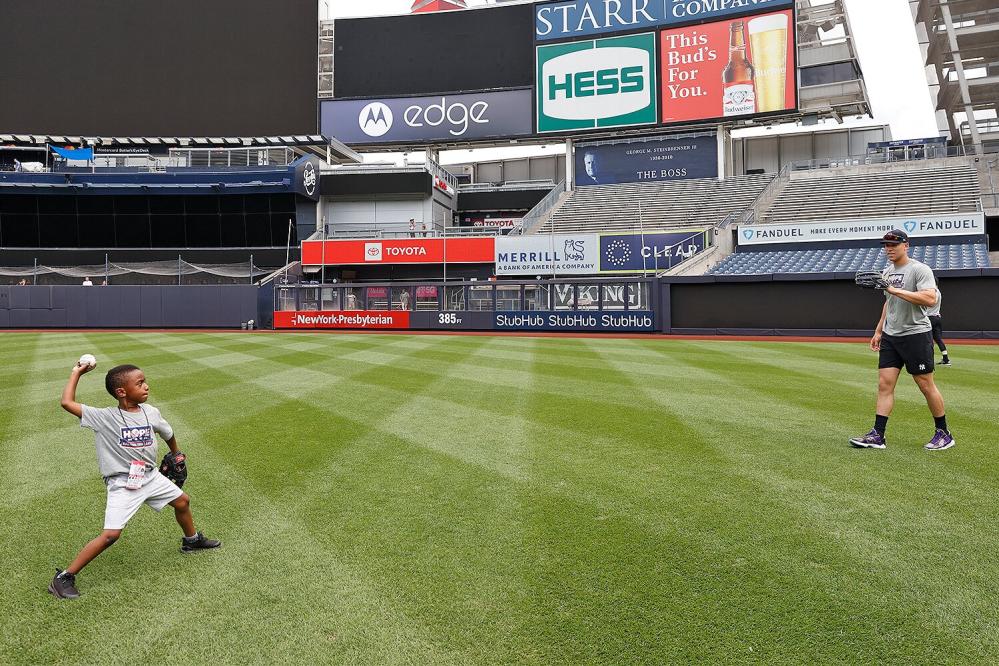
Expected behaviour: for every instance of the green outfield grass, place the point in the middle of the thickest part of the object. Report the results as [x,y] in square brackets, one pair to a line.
[461,500]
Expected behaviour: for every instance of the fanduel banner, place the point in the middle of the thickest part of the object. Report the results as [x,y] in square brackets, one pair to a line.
[639,253]
[597,83]
[657,159]
[964,224]
[579,18]
[547,254]
[465,117]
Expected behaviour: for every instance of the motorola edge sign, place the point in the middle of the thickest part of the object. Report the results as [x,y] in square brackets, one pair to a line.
[464,117]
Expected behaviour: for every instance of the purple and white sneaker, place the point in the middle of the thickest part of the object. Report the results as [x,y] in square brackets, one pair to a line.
[872,440]
[941,440]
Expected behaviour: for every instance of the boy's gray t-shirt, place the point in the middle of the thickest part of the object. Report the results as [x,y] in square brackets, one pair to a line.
[903,317]
[934,310]
[123,436]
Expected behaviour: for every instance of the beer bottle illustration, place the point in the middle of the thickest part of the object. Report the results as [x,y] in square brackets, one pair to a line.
[740,95]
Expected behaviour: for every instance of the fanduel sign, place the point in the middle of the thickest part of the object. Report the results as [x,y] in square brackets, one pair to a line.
[579,18]
[597,84]
[964,224]
[466,117]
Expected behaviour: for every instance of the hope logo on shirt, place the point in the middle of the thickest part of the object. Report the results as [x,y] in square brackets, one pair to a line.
[136,437]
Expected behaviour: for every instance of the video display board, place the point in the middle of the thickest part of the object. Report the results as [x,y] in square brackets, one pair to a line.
[434,53]
[145,68]
[732,68]
[667,158]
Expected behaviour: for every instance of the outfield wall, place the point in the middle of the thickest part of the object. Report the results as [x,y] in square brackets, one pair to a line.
[146,306]
[816,304]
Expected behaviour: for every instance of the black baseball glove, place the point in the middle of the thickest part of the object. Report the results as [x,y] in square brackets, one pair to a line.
[174,467]
[871,280]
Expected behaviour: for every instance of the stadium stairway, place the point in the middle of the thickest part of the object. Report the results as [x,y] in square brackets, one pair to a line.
[883,190]
[692,204]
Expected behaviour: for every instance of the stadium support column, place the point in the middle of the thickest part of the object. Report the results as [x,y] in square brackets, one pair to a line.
[724,139]
[962,80]
[570,176]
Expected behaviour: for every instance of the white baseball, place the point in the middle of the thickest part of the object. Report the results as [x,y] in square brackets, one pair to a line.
[88,359]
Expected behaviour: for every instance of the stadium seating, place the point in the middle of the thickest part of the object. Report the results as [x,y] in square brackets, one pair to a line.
[841,260]
[820,196]
[699,203]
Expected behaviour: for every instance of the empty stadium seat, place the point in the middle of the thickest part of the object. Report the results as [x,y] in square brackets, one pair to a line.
[823,196]
[695,204]
[844,260]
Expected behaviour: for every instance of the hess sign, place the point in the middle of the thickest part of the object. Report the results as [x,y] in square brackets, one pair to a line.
[597,84]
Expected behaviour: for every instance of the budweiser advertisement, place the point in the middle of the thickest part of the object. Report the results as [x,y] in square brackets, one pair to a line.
[370,319]
[731,68]
[399,251]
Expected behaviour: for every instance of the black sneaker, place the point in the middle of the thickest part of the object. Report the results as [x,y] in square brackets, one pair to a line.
[198,542]
[63,585]
[945,362]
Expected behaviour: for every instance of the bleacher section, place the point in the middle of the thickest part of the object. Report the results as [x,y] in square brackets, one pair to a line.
[949,188]
[700,203]
[843,260]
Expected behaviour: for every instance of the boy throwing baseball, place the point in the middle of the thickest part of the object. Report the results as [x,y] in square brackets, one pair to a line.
[126,455]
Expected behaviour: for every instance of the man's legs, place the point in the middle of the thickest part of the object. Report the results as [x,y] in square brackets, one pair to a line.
[887,379]
[934,400]
[94,548]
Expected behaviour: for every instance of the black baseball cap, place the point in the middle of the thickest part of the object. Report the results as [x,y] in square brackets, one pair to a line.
[894,237]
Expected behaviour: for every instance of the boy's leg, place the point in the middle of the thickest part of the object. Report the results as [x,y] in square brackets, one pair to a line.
[193,540]
[182,510]
[94,548]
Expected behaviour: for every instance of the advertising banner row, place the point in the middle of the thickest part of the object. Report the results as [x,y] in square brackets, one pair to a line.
[633,321]
[555,254]
[647,160]
[727,68]
[965,224]
[569,19]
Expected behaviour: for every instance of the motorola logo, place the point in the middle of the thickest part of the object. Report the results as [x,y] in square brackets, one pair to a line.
[375,119]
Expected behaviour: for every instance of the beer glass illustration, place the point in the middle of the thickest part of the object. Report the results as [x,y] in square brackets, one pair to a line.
[768,39]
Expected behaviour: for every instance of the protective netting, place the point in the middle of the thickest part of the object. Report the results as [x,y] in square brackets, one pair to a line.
[162,268]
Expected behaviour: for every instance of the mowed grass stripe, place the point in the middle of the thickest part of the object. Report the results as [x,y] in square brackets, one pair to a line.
[642,509]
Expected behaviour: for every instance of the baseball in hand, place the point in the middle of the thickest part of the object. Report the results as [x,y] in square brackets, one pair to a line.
[88,360]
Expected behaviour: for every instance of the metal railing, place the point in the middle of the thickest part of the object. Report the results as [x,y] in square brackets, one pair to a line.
[403,231]
[541,212]
[755,210]
[437,170]
[990,200]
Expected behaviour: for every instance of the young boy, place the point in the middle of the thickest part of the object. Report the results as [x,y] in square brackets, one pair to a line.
[126,455]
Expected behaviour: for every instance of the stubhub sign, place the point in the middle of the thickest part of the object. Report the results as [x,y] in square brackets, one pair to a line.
[597,84]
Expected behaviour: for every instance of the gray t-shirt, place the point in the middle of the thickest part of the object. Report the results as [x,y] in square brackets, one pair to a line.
[122,436]
[934,310]
[904,318]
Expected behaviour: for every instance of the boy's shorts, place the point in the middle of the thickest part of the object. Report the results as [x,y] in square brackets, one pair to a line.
[157,491]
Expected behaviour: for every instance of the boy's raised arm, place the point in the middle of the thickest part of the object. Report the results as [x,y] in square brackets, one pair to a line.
[69,402]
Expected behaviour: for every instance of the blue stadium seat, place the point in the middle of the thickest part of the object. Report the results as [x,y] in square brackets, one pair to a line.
[845,260]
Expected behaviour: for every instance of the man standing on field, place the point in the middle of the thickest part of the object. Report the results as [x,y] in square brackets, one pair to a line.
[903,338]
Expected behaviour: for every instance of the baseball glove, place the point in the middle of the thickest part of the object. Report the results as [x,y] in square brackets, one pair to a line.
[871,280]
[174,467]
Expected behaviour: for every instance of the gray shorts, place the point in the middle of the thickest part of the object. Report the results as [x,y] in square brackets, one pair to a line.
[157,491]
